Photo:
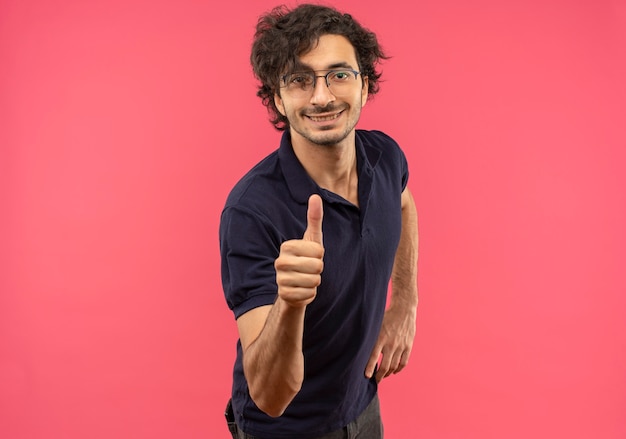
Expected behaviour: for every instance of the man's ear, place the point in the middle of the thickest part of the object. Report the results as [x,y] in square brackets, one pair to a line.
[364,90]
[278,101]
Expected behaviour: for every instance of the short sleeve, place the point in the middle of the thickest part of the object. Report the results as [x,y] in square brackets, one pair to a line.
[248,247]
[404,168]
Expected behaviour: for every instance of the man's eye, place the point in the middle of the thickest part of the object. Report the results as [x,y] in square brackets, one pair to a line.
[341,76]
[299,79]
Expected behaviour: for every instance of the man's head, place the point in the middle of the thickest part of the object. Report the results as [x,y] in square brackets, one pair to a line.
[283,37]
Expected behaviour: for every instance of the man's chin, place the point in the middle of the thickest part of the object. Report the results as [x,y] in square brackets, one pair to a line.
[328,140]
[326,136]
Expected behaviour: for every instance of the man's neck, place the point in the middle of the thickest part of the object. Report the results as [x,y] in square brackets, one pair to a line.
[332,167]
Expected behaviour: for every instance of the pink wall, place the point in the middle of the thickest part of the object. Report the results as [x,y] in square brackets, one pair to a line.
[123,125]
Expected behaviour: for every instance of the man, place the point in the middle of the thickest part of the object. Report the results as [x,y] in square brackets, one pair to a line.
[311,236]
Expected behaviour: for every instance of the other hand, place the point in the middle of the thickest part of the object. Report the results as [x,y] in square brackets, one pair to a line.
[394,343]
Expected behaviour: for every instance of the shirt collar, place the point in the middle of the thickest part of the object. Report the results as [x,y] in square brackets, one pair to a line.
[301,186]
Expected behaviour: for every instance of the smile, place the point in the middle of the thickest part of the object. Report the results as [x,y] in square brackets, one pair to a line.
[325,118]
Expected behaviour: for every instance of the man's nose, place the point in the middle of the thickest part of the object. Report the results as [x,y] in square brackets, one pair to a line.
[321,92]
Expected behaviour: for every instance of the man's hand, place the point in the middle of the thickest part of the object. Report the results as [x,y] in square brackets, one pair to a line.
[395,342]
[300,262]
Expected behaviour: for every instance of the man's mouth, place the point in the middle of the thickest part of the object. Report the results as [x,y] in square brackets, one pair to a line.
[324,118]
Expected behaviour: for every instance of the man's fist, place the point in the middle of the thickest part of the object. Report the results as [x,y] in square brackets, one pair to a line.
[300,262]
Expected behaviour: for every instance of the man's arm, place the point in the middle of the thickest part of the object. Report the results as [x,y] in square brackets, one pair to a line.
[395,340]
[271,336]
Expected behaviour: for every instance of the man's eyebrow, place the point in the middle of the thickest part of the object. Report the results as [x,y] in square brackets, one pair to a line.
[301,67]
[343,64]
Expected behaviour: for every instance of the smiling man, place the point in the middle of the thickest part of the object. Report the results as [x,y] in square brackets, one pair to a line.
[311,237]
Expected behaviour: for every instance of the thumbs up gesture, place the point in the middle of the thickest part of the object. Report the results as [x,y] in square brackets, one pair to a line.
[300,262]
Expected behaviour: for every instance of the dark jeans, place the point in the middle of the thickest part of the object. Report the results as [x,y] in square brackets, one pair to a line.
[368,425]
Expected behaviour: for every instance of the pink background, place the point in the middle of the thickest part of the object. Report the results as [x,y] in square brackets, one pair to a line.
[124,124]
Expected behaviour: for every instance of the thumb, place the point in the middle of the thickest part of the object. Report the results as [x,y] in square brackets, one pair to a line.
[314,216]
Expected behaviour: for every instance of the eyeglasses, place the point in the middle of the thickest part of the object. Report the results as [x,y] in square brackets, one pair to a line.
[301,84]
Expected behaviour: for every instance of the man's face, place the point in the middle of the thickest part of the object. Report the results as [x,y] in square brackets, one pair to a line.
[325,116]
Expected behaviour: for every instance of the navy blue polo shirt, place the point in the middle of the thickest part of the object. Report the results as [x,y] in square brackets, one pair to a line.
[269,206]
